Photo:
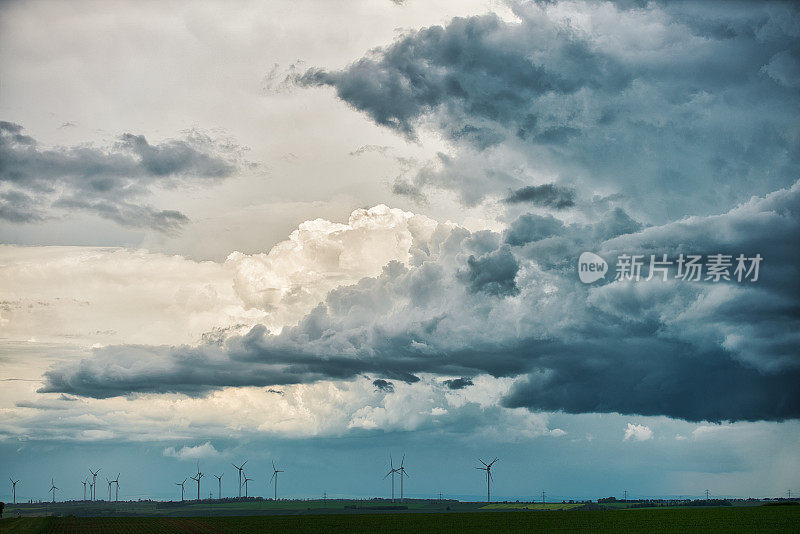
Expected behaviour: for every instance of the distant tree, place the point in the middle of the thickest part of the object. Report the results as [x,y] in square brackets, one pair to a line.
[2,505]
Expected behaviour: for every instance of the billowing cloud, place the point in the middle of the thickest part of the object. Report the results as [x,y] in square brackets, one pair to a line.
[596,97]
[321,255]
[635,432]
[109,182]
[468,303]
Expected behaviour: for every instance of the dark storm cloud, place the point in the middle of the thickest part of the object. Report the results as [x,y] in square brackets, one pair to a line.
[549,195]
[383,385]
[458,383]
[611,106]
[492,273]
[529,227]
[18,207]
[107,182]
[473,65]
[696,351]
[650,377]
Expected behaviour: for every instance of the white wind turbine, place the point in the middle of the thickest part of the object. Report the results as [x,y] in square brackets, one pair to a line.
[275,472]
[391,472]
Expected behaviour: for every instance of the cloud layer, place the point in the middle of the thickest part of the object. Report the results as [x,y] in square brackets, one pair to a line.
[108,182]
[466,303]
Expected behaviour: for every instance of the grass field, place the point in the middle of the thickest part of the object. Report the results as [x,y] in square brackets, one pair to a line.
[683,520]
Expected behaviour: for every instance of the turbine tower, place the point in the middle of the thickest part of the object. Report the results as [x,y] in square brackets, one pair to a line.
[219,479]
[14,489]
[246,480]
[110,483]
[84,487]
[91,490]
[197,478]
[53,488]
[402,471]
[488,468]
[181,485]
[275,476]
[240,467]
[116,488]
[94,482]
[392,471]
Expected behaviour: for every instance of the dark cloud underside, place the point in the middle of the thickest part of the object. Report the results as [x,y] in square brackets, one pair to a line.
[700,351]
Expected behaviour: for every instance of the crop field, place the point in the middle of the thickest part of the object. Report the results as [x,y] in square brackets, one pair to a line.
[684,520]
[531,506]
[232,507]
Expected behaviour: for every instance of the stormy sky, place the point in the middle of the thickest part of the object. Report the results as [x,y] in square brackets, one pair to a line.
[326,233]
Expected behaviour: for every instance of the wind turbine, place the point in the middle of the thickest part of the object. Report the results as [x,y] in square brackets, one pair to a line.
[240,467]
[402,471]
[53,488]
[219,479]
[488,468]
[275,476]
[14,488]
[197,478]
[181,485]
[116,493]
[110,483]
[246,480]
[392,471]
[84,487]
[91,490]
[94,482]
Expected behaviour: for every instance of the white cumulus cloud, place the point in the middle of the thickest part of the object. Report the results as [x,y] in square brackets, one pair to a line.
[637,433]
[206,450]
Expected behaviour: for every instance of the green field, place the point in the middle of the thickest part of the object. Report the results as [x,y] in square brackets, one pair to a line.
[702,520]
[232,507]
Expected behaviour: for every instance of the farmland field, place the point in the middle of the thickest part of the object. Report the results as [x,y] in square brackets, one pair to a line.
[530,506]
[732,519]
